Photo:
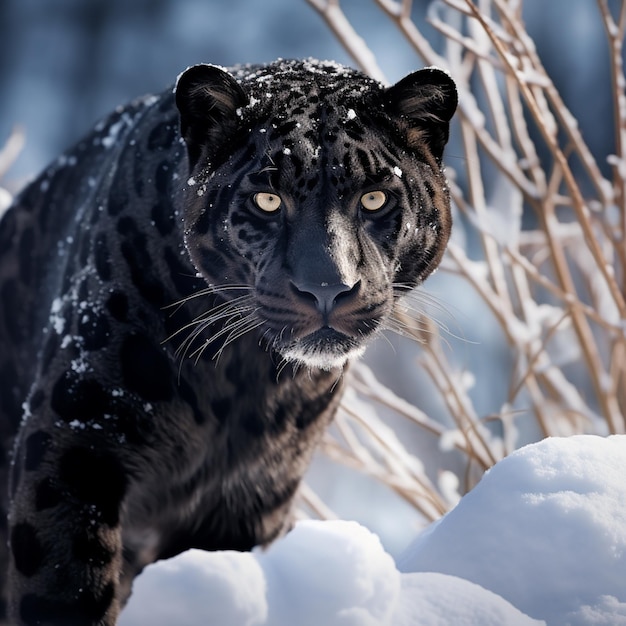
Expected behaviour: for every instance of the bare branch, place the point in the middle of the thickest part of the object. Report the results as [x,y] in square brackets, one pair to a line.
[345,33]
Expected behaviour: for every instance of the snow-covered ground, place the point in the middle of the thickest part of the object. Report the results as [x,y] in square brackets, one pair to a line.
[541,539]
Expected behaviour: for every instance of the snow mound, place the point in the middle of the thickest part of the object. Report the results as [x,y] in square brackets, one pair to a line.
[322,573]
[545,529]
[541,537]
[198,587]
[338,572]
[429,599]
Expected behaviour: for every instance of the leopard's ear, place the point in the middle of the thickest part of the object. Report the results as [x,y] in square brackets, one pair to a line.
[424,102]
[207,98]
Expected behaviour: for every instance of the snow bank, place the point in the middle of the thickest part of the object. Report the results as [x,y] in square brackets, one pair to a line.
[321,574]
[199,588]
[545,529]
[542,537]
[429,599]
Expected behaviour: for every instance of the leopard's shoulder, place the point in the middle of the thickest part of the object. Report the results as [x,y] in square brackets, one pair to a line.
[46,236]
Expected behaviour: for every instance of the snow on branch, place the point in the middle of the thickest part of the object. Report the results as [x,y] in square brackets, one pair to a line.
[8,154]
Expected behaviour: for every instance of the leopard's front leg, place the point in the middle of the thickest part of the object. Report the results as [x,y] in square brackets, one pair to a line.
[64,530]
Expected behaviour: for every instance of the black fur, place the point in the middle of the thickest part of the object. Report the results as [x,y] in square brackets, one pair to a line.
[181,293]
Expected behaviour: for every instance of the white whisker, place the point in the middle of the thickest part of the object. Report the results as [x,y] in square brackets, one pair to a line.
[418,314]
[281,366]
[226,329]
[209,291]
[230,320]
[243,327]
[200,326]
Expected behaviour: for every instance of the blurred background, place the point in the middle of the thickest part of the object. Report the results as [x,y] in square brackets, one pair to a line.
[66,63]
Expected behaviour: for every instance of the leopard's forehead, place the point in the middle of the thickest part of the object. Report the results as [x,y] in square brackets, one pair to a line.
[302,85]
[303,113]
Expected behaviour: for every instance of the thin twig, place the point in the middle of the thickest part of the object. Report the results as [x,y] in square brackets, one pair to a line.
[349,38]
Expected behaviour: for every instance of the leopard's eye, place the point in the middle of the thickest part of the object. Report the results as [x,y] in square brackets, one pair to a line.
[268,202]
[373,200]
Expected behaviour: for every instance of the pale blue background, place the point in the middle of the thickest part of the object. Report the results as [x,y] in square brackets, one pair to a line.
[65,63]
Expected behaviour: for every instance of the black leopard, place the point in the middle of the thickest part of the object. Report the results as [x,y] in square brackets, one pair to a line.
[181,295]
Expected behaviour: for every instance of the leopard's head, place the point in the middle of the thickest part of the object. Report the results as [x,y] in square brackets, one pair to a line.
[315,198]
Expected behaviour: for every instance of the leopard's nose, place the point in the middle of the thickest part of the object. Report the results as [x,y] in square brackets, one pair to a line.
[325,297]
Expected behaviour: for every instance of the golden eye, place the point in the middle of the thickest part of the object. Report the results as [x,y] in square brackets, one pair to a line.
[268,202]
[373,200]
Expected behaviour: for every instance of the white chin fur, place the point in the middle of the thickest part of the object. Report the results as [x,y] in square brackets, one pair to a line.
[320,360]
